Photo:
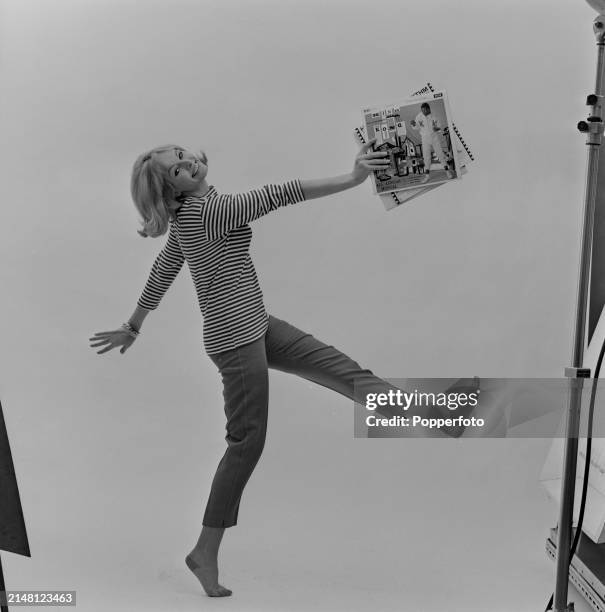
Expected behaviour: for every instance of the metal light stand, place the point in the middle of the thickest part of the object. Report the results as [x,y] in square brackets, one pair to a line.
[593,128]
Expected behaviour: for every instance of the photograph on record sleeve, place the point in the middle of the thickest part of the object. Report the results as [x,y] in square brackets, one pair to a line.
[419,138]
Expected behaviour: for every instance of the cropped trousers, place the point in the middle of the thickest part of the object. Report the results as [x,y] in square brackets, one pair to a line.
[244,372]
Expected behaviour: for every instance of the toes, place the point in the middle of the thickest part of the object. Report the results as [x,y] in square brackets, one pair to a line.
[219,592]
[224,590]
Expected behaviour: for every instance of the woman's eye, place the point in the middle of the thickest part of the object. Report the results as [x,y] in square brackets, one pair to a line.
[180,155]
[176,172]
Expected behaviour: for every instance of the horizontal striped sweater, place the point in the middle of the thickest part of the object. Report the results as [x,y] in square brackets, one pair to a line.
[212,234]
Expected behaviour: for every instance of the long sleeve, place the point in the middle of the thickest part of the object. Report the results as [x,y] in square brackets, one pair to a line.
[229,211]
[163,272]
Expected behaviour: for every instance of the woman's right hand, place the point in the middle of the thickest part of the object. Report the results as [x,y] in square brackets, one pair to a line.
[112,339]
[368,161]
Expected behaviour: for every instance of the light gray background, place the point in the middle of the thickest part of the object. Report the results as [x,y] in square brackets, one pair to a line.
[115,454]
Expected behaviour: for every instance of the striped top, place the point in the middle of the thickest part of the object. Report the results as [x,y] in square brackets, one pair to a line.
[212,234]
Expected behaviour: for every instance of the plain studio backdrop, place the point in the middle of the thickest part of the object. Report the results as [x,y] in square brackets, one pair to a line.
[115,454]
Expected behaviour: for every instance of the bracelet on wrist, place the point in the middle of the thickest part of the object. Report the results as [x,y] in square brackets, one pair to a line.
[130,329]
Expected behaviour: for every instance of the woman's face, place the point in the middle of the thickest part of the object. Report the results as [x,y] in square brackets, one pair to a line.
[185,171]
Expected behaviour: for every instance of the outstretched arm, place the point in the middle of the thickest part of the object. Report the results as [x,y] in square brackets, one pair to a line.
[163,272]
[317,188]
[365,162]
[230,211]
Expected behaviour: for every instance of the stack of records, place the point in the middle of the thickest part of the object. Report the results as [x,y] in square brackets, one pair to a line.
[426,149]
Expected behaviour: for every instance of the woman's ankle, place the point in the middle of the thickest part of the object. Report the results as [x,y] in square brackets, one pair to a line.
[209,541]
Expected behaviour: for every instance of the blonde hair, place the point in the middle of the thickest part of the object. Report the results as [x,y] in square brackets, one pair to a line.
[153,196]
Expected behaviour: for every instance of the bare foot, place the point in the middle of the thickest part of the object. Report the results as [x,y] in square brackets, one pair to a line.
[205,569]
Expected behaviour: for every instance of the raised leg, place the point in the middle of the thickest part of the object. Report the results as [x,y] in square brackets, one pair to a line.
[291,350]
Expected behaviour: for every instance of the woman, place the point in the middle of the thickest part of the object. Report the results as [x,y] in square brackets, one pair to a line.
[210,231]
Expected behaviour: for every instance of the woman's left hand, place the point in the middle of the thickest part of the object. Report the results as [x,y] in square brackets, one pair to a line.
[367,161]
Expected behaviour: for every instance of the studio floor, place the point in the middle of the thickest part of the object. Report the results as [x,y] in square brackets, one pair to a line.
[422,525]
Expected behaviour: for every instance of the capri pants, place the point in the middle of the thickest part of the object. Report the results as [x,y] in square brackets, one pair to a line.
[244,371]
